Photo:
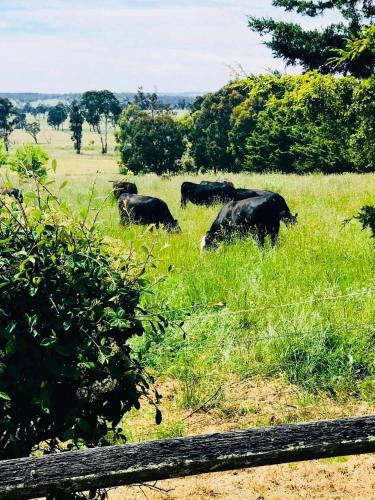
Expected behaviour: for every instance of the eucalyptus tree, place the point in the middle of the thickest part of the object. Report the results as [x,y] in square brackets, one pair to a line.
[100,109]
[76,124]
[7,120]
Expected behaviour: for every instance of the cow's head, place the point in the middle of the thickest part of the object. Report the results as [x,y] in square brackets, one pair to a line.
[288,218]
[174,226]
[208,243]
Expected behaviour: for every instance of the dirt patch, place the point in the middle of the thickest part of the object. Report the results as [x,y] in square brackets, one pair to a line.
[255,403]
[319,479]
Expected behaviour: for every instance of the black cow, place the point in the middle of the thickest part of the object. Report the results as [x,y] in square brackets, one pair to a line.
[218,182]
[146,210]
[15,192]
[286,215]
[206,194]
[259,216]
[120,187]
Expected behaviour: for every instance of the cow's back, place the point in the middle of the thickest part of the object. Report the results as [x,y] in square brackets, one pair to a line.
[145,210]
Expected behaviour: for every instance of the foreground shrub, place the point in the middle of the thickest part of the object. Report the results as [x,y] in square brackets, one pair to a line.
[3,155]
[68,309]
[29,161]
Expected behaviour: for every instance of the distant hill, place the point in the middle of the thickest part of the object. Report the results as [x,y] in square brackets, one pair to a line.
[177,100]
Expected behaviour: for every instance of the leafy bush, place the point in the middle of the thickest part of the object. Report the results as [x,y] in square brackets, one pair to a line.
[69,306]
[29,161]
[303,123]
[362,142]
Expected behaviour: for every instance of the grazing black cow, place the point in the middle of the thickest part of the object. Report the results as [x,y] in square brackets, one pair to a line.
[146,210]
[286,215]
[259,216]
[220,181]
[120,187]
[208,193]
[15,192]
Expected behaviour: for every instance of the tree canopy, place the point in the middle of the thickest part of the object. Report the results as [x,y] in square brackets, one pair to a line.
[316,49]
[76,122]
[33,129]
[101,106]
[57,115]
[149,143]
[300,124]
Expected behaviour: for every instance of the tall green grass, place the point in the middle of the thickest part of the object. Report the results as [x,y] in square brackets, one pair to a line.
[277,312]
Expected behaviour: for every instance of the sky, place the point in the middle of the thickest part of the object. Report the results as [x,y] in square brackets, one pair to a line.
[175,46]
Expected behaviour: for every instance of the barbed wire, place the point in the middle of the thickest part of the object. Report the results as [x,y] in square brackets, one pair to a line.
[221,312]
[298,333]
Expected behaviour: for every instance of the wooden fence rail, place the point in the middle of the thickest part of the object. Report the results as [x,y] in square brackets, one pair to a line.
[155,460]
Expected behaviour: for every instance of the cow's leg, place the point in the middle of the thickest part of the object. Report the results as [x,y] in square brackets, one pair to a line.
[261,236]
[274,234]
[184,200]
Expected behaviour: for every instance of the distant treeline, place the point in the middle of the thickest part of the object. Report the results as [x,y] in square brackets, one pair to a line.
[101,109]
[292,124]
[175,101]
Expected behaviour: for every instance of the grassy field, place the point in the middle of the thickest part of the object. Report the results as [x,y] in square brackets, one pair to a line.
[303,312]
[270,336]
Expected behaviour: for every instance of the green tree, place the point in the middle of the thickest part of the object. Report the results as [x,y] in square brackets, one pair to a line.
[7,120]
[57,116]
[76,122]
[41,109]
[33,129]
[150,102]
[315,49]
[100,108]
[149,143]
[360,46]
[19,119]
[211,124]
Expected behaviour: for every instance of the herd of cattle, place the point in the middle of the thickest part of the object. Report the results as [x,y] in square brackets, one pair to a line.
[245,211]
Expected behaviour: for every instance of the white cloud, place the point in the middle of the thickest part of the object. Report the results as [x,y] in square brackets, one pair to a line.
[174,46]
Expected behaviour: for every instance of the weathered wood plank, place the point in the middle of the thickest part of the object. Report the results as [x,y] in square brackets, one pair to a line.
[155,460]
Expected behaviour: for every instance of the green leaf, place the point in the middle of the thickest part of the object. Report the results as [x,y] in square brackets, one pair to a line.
[4,395]
[63,184]
[54,165]
[48,342]
[10,347]
[102,358]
